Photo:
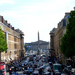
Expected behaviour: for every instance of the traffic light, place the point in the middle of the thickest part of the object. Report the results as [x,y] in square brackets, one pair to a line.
[10,71]
[14,68]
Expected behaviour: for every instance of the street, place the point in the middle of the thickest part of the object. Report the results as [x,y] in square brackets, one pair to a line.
[38,66]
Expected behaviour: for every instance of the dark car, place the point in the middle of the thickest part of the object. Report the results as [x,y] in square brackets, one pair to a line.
[14,73]
[25,72]
[68,71]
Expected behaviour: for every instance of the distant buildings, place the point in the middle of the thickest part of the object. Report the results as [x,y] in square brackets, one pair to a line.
[15,41]
[38,44]
[34,45]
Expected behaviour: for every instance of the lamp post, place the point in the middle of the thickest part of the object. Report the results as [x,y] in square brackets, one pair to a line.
[10,55]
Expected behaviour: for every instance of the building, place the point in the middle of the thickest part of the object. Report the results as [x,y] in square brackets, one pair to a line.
[56,37]
[34,45]
[42,45]
[52,40]
[15,41]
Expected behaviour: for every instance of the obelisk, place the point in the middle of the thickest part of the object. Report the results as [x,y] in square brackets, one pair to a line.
[38,40]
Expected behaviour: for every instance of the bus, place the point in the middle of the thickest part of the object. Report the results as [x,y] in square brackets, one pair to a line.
[2,68]
[57,66]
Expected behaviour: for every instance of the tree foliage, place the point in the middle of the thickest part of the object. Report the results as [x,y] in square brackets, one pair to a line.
[26,48]
[68,40]
[3,44]
[38,52]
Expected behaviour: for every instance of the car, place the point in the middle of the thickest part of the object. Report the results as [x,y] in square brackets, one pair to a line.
[43,59]
[25,72]
[26,62]
[50,63]
[22,64]
[30,70]
[57,72]
[46,68]
[67,70]
[14,73]
[73,70]
[57,66]
[37,59]
[47,73]
[63,73]
[36,72]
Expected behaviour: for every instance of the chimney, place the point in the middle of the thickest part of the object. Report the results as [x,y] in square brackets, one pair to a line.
[2,19]
[67,13]
[9,24]
[6,21]
[13,28]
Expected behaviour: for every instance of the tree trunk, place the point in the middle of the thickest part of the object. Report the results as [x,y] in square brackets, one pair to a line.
[0,56]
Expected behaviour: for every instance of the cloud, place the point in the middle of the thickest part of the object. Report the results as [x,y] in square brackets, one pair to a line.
[37,16]
[6,1]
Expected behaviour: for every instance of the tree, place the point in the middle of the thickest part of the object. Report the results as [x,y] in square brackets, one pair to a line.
[3,44]
[26,48]
[38,52]
[68,40]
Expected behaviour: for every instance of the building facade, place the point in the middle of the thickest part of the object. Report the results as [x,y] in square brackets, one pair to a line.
[57,36]
[42,44]
[15,41]
[52,41]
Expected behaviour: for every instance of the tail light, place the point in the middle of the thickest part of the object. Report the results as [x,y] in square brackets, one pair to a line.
[23,73]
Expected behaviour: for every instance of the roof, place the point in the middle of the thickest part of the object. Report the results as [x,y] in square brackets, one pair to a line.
[19,31]
[53,30]
[36,42]
[56,64]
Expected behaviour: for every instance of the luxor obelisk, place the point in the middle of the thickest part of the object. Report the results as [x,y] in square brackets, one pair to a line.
[38,41]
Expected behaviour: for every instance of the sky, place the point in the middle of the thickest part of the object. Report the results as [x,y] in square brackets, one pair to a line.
[32,16]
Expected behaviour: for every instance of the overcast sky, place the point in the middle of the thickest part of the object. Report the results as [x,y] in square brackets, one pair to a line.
[32,16]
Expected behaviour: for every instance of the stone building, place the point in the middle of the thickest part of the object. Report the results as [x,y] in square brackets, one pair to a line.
[57,35]
[34,45]
[15,41]
[52,40]
[44,45]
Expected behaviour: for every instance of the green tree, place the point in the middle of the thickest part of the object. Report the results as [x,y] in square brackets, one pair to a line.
[68,40]
[3,44]
[38,52]
[25,46]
